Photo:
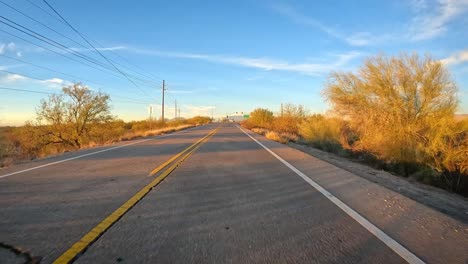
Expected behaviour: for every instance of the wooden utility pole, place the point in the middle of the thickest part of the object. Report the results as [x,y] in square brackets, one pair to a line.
[150,109]
[175,109]
[162,107]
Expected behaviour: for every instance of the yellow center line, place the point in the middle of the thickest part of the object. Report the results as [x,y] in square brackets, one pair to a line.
[80,246]
[162,166]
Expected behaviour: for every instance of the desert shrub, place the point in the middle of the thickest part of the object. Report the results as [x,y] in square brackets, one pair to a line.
[199,120]
[276,137]
[260,118]
[260,131]
[446,146]
[7,148]
[321,132]
[402,111]
[247,124]
[108,132]
[290,137]
[176,122]
[290,118]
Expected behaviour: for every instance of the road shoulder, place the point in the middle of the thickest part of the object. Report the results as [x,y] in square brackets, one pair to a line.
[424,231]
[445,202]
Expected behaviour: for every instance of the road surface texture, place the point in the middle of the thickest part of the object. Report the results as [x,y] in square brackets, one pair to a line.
[236,199]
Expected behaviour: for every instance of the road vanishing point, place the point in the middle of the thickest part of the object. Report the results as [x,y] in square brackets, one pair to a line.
[212,194]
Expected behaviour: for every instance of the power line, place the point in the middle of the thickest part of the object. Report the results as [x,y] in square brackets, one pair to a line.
[81,35]
[58,53]
[48,81]
[24,75]
[24,90]
[150,76]
[60,46]
[39,92]
[56,44]
[51,29]
[49,41]
[40,23]
[45,11]
[49,69]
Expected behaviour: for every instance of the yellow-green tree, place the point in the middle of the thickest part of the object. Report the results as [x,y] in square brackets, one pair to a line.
[70,117]
[261,117]
[398,106]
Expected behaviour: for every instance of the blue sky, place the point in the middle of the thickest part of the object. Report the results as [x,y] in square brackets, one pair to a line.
[220,56]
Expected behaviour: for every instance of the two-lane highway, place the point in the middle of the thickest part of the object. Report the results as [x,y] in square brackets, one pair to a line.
[238,198]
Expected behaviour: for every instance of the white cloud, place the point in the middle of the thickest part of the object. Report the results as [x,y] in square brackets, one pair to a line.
[431,23]
[260,63]
[2,48]
[100,49]
[419,5]
[179,91]
[55,81]
[456,58]
[7,47]
[11,46]
[12,78]
[193,110]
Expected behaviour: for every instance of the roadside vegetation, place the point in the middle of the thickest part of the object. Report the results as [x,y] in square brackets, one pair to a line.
[78,118]
[394,113]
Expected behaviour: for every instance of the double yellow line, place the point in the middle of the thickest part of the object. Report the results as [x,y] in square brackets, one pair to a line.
[80,246]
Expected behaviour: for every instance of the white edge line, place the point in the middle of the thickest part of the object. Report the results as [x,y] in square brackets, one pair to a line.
[386,239]
[92,153]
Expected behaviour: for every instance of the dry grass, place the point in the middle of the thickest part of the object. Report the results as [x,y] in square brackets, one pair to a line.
[260,131]
[155,132]
[276,137]
[290,137]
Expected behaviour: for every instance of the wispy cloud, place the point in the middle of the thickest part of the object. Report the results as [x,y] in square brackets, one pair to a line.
[179,91]
[430,23]
[55,81]
[430,20]
[267,64]
[418,5]
[11,66]
[456,58]
[197,110]
[100,49]
[354,39]
[298,18]
[9,78]
[7,47]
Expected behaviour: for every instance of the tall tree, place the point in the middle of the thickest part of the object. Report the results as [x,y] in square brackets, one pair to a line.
[69,118]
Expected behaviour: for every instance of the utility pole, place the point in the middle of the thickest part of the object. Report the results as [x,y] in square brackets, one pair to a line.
[175,109]
[162,107]
[179,112]
[281,109]
[150,109]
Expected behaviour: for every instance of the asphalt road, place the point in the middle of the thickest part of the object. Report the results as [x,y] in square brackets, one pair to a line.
[231,201]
